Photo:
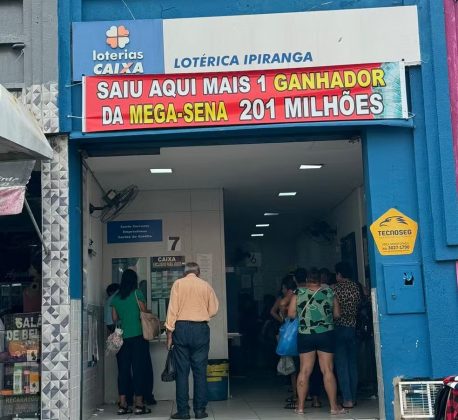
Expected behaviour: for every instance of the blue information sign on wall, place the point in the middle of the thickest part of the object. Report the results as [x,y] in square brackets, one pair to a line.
[117,47]
[134,231]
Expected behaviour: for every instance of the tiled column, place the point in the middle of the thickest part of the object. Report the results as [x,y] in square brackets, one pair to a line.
[55,403]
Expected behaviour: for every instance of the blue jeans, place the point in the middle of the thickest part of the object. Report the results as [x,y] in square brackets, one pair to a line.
[345,360]
[191,342]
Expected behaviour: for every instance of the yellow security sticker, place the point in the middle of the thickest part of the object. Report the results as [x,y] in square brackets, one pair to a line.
[394,233]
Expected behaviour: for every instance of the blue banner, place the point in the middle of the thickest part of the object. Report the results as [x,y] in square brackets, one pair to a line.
[117,47]
[134,231]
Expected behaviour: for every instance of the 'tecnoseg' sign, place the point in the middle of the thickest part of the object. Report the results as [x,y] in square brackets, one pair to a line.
[248,42]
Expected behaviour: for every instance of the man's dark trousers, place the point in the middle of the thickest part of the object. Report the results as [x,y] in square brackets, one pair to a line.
[191,341]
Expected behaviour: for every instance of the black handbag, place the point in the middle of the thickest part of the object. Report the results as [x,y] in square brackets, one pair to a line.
[169,373]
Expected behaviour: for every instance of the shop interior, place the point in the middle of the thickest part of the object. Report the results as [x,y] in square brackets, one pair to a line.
[249,214]
[20,308]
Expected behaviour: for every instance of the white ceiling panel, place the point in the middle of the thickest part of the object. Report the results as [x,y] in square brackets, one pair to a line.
[251,175]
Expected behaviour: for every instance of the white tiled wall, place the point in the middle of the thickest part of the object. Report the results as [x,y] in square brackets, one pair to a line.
[93,379]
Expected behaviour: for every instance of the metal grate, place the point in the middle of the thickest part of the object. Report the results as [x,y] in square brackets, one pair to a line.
[417,398]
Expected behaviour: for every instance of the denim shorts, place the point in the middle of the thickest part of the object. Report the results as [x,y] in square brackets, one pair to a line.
[324,342]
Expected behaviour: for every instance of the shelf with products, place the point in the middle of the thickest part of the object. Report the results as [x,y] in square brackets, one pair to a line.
[19,360]
[20,378]
[20,344]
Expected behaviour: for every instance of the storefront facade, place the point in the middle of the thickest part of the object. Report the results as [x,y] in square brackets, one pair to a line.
[29,121]
[408,159]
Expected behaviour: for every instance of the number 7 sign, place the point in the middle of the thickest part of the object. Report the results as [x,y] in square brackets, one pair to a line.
[174,243]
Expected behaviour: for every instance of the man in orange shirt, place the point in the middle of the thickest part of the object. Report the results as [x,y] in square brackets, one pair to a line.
[192,303]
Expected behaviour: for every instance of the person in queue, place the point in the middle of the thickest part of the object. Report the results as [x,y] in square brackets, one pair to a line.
[348,295]
[316,307]
[287,288]
[316,378]
[326,277]
[280,312]
[193,303]
[134,354]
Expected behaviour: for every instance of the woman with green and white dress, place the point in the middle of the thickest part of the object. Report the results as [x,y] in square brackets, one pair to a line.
[316,307]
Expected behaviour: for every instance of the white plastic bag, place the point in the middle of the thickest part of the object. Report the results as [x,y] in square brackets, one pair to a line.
[286,366]
[114,341]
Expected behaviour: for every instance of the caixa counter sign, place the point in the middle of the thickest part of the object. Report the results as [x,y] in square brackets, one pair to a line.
[120,47]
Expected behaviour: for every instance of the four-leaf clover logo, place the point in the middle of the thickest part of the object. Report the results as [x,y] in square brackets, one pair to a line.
[117,36]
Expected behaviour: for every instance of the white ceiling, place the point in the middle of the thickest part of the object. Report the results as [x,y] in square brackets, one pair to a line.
[252,176]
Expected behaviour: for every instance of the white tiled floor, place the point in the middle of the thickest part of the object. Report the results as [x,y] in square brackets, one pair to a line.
[263,401]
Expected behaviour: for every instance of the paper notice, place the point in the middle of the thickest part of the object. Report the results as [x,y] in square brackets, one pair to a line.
[205,262]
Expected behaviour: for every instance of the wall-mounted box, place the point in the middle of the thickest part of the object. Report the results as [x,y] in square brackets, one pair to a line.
[404,291]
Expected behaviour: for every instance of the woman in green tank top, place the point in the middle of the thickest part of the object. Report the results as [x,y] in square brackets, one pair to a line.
[134,363]
[316,307]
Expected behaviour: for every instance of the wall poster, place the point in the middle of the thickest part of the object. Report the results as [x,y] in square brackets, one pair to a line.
[164,271]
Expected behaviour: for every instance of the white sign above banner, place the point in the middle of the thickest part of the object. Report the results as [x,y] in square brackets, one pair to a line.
[291,40]
[247,42]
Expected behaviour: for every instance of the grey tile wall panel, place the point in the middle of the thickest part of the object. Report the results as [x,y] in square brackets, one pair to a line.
[56,343]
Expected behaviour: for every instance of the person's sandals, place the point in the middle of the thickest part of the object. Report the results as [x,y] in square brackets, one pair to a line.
[291,405]
[338,412]
[291,398]
[299,412]
[122,411]
[141,410]
[316,404]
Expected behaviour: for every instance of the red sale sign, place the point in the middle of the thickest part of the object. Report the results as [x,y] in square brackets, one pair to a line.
[360,92]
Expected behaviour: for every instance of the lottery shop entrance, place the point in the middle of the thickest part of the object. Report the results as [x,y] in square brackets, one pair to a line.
[249,214]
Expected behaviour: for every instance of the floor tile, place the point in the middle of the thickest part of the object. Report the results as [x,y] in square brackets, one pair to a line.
[161,411]
[253,400]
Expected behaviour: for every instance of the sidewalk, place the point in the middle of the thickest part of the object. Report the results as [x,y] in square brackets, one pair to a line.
[261,408]
[240,409]
[259,397]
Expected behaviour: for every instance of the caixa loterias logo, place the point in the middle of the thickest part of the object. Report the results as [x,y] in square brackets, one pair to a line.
[120,58]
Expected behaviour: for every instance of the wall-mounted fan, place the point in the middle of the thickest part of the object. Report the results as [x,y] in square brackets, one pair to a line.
[115,201]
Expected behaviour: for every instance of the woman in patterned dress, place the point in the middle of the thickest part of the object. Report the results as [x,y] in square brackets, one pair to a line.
[316,307]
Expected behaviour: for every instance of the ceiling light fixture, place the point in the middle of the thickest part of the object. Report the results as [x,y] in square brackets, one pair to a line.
[287,194]
[161,170]
[263,225]
[310,166]
[257,234]
[271,214]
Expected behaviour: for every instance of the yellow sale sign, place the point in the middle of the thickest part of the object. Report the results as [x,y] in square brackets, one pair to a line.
[394,233]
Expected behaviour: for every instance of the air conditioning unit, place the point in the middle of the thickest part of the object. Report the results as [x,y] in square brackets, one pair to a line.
[417,398]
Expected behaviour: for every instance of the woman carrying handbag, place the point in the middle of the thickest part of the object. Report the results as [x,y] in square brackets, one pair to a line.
[133,358]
